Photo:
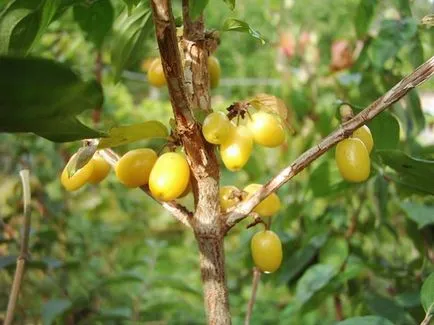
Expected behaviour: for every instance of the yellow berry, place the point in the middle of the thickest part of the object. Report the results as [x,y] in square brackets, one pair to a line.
[216,128]
[101,170]
[80,177]
[363,133]
[267,130]
[269,206]
[214,71]
[227,200]
[134,167]
[156,74]
[170,176]
[236,150]
[266,249]
[352,159]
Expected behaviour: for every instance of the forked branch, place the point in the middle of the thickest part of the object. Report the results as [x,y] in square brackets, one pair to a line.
[421,74]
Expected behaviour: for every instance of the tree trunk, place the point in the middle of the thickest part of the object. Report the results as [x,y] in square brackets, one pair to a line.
[212,268]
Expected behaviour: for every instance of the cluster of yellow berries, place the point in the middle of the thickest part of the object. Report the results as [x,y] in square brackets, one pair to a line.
[168,176]
[352,155]
[157,79]
[236,141]
[266,246]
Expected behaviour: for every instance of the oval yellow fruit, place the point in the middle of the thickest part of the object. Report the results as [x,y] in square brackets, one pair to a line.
[227,200]
[80,177]
[169,177]
[156,74]
[352,159]
[134,168]
[266,249]
[267,130]
[101,170]
[269,206]
[363,133]
[214,71]
[236,150]
[216,128]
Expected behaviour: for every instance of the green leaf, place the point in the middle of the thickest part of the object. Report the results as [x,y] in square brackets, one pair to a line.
[95,19]
[422,214]
[19,25]
[384,140]
[365,320]
[130,4]
[197,7]
[364,15]
[236,25]
[312,281]
[130,35]
[334,252]
[122,279]
[8,260]
[393,35]
[414,108]
[326,180]
[414,173]
[131,133]
[427,294]
[44,97]
[80,159]
[54,308]
[388,309]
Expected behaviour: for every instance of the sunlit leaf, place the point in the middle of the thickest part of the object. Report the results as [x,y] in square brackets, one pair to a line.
[427,294]
[236,25]
[428,20]
[130,133]
[230,3]
[334,252]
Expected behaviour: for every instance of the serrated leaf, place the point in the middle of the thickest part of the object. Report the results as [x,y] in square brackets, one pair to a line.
[334,252]
[131,133]
[422,214]
[427,294]
[130,32]
[54,308]
[364,15]
[43,96]
[197,7]
[230,4]
[411,172]
[81,158]
[365,320]
[236,25]
[95,19]
[428,20]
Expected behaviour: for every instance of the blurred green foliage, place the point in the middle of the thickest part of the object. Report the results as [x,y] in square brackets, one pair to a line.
[108,255]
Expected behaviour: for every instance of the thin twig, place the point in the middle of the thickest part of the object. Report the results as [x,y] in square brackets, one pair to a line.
[24,250]
[427,319]
[177,210]
[338,307]
[421,74]
[255,282]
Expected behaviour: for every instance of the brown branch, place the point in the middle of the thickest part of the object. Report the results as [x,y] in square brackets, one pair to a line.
[338,307]
[255,282]
[24,250]
[177,210]
[421,74]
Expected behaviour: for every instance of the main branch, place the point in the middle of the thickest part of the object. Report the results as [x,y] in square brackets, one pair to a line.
[421,74]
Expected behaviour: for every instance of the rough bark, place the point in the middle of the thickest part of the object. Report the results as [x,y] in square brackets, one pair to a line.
[186,97]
